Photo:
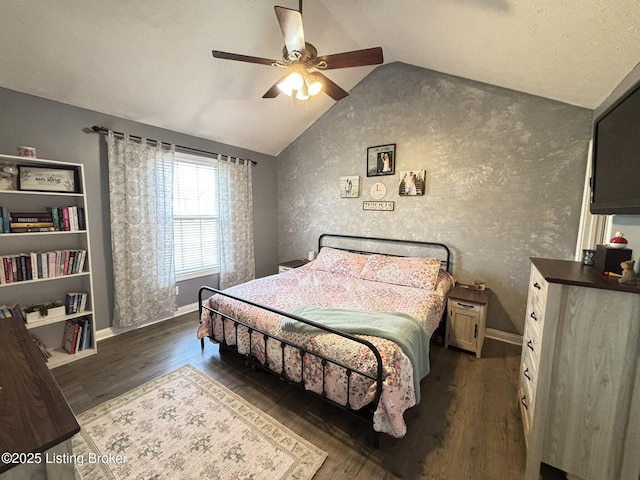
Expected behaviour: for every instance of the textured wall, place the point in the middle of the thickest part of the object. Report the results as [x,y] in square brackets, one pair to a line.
[505,173]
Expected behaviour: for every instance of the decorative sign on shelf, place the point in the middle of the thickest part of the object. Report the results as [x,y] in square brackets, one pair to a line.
[383,206]
[43,179]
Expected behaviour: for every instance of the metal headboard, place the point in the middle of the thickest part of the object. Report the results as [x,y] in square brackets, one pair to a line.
[438,250]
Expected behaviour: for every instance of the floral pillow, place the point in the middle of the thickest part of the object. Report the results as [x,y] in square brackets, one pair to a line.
[339,261]
[408,271]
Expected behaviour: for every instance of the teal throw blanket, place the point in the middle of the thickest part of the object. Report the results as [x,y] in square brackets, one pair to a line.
[398,327]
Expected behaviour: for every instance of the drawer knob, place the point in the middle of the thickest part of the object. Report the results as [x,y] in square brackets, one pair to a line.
[533,315]
[536,285]
[523,401]
[526,373]
[530,345]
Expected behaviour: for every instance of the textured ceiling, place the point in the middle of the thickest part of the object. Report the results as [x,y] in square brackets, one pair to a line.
[150,60]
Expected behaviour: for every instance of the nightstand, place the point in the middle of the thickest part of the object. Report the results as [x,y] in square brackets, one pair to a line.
[467,318]
[290,265]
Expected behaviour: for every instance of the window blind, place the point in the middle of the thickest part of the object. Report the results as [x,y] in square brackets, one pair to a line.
[196,216]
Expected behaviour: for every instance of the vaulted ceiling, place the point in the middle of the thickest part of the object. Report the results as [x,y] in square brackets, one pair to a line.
[150,60]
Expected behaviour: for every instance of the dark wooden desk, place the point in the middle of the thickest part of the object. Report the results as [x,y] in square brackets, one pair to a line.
[34,415]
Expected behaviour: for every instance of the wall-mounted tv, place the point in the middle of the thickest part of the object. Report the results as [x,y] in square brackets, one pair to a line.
[615,176]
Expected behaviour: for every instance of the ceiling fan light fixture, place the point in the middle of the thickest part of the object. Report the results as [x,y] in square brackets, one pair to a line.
[293,81]
[303,93]
[314,83]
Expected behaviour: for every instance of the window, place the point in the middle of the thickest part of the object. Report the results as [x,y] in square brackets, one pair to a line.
[195,210]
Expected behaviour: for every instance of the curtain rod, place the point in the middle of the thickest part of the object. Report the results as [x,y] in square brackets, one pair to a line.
[98,129]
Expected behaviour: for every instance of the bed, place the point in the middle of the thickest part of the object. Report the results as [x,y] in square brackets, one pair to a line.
[353,326]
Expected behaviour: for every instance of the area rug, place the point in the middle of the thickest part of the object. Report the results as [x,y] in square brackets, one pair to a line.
[185,425]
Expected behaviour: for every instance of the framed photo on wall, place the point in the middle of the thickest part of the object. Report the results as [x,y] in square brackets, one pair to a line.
[350,186]
[381,160]
[412,183]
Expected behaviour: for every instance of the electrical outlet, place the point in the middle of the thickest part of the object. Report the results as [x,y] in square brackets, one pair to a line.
[177,290]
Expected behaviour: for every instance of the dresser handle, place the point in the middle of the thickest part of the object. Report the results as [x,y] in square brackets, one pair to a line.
[533,315]
[523,401]
[526,373]
[464,305]
[530,345]
[475,331]
[537,285]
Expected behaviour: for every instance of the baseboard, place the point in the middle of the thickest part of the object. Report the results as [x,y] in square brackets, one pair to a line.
[109,332]
[501,336]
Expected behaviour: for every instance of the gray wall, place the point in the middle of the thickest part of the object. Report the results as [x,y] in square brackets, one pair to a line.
[505,173]
[57,131]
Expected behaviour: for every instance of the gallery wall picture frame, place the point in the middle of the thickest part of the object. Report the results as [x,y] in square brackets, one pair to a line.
[412,183]
[350,186]
[46,179]
[381,160]
[378,206]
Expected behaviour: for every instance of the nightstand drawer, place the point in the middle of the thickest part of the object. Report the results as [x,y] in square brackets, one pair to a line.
[464,306]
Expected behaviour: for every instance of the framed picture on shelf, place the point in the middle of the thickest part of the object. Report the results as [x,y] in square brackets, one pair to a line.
[46,179]
[381,160]
[412,183]
[350,186]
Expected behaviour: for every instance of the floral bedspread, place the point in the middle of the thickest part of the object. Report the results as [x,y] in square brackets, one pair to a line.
[307,286]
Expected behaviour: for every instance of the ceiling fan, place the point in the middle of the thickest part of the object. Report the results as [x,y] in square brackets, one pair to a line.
[303,77]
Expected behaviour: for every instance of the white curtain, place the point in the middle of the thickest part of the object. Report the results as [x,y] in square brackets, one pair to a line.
[237,263]
[141,202]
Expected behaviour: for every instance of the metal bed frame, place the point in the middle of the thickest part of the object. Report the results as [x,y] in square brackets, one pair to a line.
[365,412]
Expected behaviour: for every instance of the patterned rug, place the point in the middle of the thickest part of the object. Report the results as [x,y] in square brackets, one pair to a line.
[185,425]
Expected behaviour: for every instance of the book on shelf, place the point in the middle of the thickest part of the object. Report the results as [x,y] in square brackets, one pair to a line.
[42,347]
[18,312]
[75,302]
[30,217]
[71,218]
[23,222]
[37,265]
[5,312]
[77,335]
[14,311]
[5,220]
[71,328]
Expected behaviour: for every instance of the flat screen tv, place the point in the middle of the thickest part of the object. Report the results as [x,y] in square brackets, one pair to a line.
[615,176]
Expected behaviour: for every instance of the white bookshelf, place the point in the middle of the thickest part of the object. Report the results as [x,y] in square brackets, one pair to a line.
[49,330]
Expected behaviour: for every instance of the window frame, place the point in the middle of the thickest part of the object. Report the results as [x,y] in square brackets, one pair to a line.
[183,157]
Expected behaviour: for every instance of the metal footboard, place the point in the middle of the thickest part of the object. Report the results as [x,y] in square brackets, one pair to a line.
[364,412]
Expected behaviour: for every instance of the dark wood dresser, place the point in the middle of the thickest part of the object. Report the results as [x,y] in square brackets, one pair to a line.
[34,415]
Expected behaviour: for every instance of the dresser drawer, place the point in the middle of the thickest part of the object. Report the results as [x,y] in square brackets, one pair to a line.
[523,401]
[536,304]
[528,379]
[537,285]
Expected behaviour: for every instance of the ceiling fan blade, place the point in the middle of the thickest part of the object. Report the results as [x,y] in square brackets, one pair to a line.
[291,25]
[356,58]
[331,88]
[274,91]
[243,58]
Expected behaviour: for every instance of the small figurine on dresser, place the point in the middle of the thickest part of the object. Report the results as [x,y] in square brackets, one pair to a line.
[618,241]
[629,276]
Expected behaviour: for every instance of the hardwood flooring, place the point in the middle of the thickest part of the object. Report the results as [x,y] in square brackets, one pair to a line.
[467,425]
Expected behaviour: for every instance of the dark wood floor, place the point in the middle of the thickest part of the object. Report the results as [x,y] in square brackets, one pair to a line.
[467,425]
